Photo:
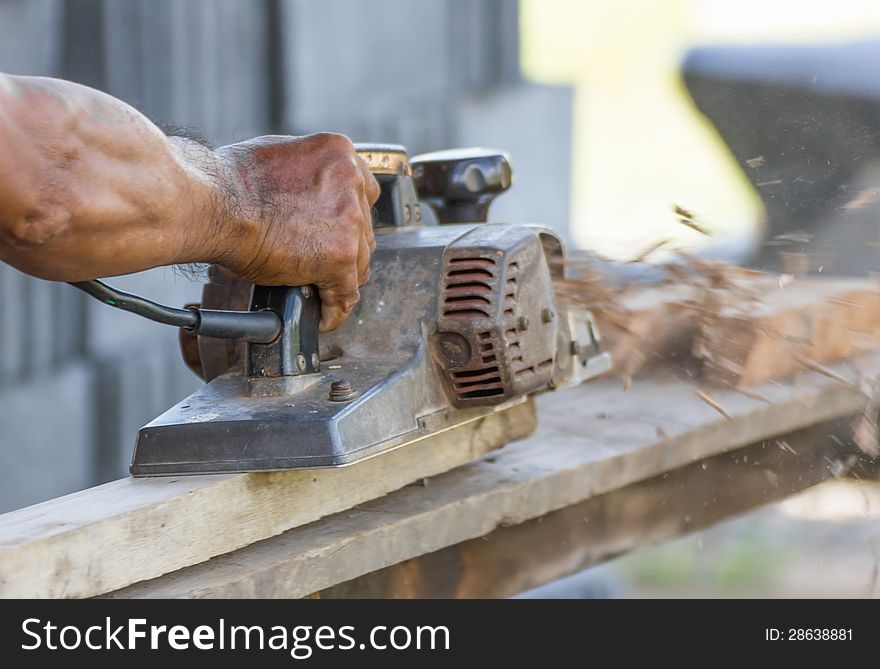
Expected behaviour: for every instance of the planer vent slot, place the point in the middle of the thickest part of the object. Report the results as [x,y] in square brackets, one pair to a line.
[467,289]
[475,383]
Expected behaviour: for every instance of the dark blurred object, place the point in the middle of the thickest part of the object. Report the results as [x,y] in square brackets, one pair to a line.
[803,123]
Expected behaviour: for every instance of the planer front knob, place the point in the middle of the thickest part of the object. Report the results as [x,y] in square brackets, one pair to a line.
[460,184]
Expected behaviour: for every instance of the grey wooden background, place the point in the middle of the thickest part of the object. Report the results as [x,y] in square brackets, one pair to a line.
[76,378]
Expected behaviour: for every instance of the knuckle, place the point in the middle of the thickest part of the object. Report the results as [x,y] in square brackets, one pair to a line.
[363,263]
[335,141]
[350,299]
[346,251]
[372,189]
[351,214]
[349,171]
[344,172]
[341,304]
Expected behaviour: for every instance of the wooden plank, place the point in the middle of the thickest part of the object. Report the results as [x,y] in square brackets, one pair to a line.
[820,320]
[736,340]
[130,530]
[591,440]
[517,558]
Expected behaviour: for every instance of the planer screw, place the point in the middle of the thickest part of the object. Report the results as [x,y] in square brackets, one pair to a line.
[341,391]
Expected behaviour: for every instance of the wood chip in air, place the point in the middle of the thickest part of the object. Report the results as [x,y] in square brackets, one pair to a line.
[846,302]
[821,369]
[712,403]
[785,446]
[693,225]
[648,251]
[686,219]
[799,237]
[863,199]
[756,162]
[752,394]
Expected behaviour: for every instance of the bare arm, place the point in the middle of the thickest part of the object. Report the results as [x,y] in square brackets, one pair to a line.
[90,188]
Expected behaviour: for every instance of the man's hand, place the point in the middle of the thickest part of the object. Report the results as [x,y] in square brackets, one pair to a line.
[300,215]
[91,188]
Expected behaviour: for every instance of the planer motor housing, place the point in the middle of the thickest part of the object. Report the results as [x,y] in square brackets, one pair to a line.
[460,319]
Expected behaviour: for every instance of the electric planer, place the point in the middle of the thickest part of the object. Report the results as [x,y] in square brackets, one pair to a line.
[458,321]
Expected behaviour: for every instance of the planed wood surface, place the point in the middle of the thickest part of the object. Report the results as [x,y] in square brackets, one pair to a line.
[591,440]
[130,530]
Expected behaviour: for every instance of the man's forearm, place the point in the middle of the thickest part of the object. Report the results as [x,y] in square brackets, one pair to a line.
[89,187]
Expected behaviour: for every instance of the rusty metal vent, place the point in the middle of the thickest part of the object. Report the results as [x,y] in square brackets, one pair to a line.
[511,334]
[484,381]
[524,372]
[468,291]
[511,338]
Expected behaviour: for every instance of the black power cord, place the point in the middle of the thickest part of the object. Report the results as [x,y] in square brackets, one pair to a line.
[259,327]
